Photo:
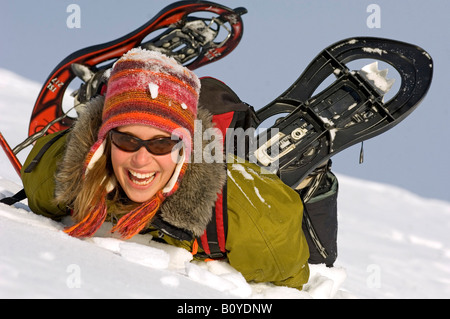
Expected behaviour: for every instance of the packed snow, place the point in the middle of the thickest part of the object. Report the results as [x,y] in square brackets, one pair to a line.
[392,244]
[378,78]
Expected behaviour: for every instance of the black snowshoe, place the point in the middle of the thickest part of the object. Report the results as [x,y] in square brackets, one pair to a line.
[347,112]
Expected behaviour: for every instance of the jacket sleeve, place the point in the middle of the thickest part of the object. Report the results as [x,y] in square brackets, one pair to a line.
[265,241]
[39,182]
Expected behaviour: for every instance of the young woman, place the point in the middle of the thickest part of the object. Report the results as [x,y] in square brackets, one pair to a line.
[129,160]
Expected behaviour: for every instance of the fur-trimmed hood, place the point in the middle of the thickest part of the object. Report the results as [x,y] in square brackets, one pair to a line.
[189,208]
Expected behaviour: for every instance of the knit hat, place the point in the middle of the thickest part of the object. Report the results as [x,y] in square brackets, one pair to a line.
[145,87]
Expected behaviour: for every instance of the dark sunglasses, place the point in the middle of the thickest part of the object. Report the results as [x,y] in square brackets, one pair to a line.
[130,143]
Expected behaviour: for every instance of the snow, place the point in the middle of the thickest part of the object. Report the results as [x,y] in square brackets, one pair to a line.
[241,169]
[149,58]
[154,88]
[375,50]
[378,77]
[392,244]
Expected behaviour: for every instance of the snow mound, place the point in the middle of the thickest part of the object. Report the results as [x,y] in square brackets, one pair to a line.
[38,260]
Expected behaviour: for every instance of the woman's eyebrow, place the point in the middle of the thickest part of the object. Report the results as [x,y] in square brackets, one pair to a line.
[134,135]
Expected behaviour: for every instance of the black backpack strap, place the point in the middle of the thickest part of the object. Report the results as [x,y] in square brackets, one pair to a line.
[42,151]
[19,196]
[168,229]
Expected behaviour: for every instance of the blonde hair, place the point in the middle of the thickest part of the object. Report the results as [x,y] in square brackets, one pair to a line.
[92,188]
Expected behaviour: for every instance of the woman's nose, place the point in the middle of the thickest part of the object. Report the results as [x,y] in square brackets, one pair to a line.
[142,157]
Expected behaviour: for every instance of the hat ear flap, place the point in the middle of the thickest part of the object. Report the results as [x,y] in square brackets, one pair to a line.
[112,183]
[94,155]
[172,184]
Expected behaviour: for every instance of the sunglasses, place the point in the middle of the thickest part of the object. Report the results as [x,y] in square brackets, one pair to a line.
[130,143]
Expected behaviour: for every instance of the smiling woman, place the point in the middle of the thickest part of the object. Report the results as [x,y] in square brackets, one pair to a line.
[141,171]
[133,110]
[128,160]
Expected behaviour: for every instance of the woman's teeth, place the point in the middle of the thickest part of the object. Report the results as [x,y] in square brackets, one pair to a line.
[141,179]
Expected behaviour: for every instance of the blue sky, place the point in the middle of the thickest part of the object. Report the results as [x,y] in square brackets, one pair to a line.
[280,39]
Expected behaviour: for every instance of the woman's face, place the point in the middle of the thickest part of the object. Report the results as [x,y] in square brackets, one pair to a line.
[141,174]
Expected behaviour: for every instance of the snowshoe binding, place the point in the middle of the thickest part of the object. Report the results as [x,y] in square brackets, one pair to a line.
[349,111]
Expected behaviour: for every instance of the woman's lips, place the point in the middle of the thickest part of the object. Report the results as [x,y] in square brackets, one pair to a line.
[141,179]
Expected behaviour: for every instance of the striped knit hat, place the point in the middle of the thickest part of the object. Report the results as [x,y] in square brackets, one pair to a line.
[145,87]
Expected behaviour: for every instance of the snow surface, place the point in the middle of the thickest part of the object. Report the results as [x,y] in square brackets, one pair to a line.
[392,244]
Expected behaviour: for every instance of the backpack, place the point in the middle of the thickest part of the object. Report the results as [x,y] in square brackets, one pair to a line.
[320,204]
[228,111]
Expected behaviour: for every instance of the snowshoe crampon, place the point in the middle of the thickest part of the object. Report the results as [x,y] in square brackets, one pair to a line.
[193,41]
[349,111]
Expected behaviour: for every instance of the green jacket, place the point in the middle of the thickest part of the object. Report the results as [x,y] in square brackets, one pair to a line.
[265,241]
